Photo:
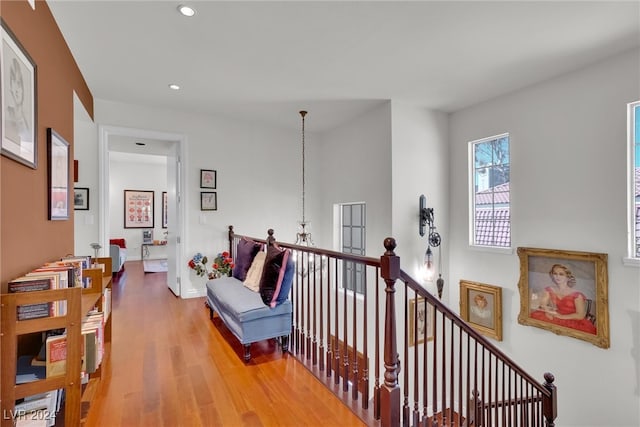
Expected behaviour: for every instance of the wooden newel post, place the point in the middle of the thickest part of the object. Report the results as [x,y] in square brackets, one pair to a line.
[550,404]
[231,234]
[390,390]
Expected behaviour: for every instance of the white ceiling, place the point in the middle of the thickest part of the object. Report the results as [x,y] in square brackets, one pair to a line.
[265,60]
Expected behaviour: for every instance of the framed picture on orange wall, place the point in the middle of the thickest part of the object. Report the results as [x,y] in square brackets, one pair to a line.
[18,112]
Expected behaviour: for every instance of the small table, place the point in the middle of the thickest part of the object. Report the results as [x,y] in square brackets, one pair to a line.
[144,248]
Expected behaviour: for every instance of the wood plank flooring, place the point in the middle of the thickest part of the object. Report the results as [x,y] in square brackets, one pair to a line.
[171,366]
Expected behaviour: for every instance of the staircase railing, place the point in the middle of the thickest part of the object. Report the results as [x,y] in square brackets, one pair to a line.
[356,318]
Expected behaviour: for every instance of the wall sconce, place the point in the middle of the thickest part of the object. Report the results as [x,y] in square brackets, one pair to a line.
[429,272]
[433,239]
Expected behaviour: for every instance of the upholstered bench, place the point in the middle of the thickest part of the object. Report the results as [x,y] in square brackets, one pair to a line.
[246,315]
[253,303]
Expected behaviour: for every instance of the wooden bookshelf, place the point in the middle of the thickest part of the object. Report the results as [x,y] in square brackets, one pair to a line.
[79,302]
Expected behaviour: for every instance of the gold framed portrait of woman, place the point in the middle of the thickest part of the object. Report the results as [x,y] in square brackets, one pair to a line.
[481,307]
[565,292]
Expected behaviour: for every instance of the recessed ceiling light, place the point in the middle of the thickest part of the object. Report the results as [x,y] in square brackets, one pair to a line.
[186,10]
[174,86]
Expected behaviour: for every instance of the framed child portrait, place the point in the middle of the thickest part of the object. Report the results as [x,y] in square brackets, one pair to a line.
[421,321]
[481,307]
[565,292]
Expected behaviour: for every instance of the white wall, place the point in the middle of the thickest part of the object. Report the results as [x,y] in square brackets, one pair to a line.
[257,176]
[420,163]
[351,164]
[85,150]
[568,166]
[143,173]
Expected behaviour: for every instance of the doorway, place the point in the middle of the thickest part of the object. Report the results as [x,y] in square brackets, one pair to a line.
[112,139]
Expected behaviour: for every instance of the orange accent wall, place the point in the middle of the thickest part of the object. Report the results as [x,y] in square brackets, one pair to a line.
[27,237]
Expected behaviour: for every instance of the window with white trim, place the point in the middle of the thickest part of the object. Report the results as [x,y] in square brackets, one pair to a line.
[489,161]
[634,179]
[353,233]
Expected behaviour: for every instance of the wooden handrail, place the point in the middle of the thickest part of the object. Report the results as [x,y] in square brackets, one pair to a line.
[456,376]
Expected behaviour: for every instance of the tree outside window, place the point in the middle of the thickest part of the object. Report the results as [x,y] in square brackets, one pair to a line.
[491,224]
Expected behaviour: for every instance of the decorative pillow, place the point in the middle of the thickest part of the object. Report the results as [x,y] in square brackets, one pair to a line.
[252,281]
[287,281]
[272,274]
[245,252]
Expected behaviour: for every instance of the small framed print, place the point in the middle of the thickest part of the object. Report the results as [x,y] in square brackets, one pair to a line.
[481,307]
[208,201]
[138,209]
[421,321]
[19,107]
[58,162]
[81,199]
[208,178]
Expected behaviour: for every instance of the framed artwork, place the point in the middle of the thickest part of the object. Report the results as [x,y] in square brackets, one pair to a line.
[138,209]
[208,178]
[81,199]
[421,320]
[147,236]
[208,201]
[58,163]
[165,209]
[18,95]
[565,292]
[481,307]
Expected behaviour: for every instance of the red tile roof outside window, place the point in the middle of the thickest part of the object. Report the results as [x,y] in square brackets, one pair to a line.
[493,227]
[493,217]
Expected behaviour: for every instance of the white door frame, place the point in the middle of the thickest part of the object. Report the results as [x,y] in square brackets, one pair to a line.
[104,133]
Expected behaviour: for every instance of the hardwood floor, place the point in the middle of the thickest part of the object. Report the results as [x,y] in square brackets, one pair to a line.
[171,366]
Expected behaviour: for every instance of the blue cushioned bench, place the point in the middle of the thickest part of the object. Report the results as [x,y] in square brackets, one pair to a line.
[246,315]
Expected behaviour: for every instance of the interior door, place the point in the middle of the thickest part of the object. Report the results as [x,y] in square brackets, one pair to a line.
[173,219]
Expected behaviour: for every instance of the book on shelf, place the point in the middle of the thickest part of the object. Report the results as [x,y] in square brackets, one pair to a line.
[94,321]
[81,262]
[74,270]
[106,303]
[59,280]
[41,407]
[89,360]
[56,363]
[28,284]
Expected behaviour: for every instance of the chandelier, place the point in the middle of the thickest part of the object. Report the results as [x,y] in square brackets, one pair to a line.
[303,236]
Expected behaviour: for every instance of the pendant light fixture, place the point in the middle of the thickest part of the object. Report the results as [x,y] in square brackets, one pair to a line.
[303,237]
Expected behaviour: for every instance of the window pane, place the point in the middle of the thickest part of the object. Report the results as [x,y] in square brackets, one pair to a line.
[346,237]
[491,172]
[357,238]
[501,152]
[356,215]
[346,215]
[483,154]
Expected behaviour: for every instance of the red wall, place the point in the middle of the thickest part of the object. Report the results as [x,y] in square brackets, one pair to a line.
[27,237]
